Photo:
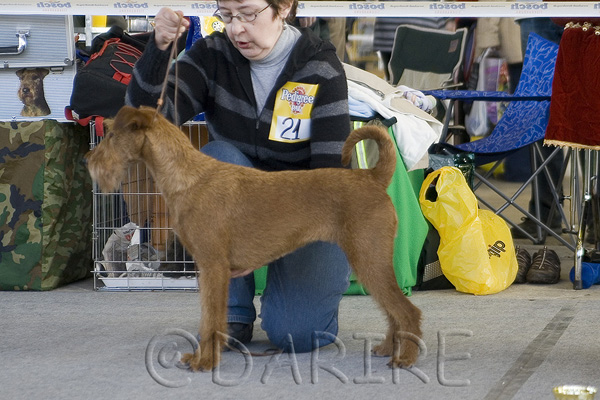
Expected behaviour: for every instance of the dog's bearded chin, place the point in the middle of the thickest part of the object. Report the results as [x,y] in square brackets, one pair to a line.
[107,184]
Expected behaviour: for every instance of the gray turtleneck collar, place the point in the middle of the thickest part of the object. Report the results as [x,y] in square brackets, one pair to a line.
[265,72]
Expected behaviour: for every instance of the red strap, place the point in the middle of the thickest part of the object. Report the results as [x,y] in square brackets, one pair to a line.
[98,121]
[99,125]
[104,46]
[122,77]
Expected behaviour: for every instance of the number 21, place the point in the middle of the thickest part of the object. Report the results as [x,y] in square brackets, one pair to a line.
[289,126]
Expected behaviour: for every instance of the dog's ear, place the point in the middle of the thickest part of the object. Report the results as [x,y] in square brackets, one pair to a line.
[108,124]
[133,119]
[43,71]
[20,72]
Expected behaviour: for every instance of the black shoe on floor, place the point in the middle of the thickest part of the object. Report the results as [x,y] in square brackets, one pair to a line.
[590,234]
[545,267]
[531,227]
[524,262]
[240,331]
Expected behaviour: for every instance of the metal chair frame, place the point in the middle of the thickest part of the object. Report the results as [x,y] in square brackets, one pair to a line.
[531,99]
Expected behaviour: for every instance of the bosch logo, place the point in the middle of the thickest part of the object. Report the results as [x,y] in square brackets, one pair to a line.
[366,6]
[130,5]
[53,4]
[529,6]
[204,6]
[447,6]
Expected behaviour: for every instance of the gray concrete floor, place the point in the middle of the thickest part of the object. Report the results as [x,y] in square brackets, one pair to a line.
[77,343]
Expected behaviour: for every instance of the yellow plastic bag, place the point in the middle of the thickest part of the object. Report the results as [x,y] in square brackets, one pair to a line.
[476,250]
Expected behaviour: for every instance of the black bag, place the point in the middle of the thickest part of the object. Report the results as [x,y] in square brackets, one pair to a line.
[429,269]
[99,87]
[138,40]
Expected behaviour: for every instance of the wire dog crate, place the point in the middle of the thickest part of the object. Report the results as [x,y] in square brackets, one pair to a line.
[134,247]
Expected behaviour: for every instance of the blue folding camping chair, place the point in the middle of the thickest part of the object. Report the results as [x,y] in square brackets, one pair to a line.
[523,123]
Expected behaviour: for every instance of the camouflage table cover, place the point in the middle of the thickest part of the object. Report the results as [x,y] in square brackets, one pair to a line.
[45,205]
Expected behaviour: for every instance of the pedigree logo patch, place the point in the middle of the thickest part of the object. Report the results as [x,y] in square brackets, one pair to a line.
[291,114]
[297,98]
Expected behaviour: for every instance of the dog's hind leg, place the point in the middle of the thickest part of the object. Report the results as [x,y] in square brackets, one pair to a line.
[373,265]
[213,283]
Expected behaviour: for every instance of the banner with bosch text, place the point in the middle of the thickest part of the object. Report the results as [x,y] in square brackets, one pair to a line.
[316,8]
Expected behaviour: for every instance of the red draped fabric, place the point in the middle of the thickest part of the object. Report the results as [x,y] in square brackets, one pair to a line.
[575,105]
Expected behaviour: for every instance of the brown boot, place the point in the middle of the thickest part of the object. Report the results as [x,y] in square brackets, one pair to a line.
[524,262]
[545,267]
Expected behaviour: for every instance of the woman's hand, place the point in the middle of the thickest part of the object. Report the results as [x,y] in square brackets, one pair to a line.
[167,27]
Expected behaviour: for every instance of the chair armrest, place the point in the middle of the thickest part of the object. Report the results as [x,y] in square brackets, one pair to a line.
[474,95]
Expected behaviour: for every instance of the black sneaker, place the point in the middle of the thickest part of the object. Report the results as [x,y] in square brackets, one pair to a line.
[240,331]
[545,267]
[531,228]
[524,262]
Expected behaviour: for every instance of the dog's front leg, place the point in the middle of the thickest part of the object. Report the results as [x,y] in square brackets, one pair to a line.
[213,282]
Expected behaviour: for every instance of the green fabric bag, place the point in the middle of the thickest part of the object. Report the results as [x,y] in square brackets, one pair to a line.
[45,205]
[412,227]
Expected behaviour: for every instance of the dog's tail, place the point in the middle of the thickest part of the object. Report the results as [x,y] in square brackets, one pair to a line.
[386,164]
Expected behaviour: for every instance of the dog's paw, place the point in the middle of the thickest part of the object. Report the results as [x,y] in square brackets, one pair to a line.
[406,357]
[400,363]
[383,350]
[197,363]
[404,360]
[186,359]
[205,364]
[201,361]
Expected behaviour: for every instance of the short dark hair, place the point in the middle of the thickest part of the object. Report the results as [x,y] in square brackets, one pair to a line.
[278,4]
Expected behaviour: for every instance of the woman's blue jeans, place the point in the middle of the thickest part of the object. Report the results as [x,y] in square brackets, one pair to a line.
[303,289]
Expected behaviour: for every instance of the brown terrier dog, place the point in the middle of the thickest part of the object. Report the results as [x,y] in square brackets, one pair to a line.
[31,92]
[234,219]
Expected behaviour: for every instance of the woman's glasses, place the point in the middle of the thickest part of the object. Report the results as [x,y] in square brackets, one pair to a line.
[242,17]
